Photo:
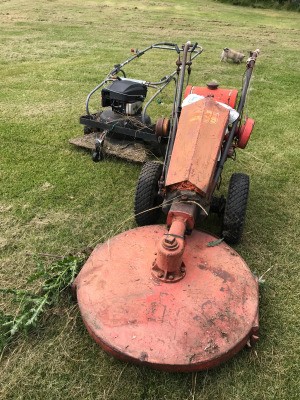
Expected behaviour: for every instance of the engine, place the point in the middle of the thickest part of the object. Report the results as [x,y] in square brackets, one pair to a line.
[124,97]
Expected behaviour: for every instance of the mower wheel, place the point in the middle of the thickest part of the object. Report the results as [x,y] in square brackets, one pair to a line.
[97,155]
[87,130]
[235,209]
[146,195]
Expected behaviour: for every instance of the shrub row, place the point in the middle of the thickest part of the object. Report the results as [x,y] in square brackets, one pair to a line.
[280,4]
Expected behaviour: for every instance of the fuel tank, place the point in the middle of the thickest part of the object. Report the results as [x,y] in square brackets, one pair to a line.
[226,96]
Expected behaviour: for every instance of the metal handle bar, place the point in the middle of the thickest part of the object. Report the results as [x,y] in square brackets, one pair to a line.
[176,108]
[161,45]
[167,46]
[197,50]
[249,68]
[93,91]
[165,82]
[251,60]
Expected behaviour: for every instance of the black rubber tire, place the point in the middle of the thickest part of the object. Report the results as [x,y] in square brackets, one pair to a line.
[146,195]
[97,156]
[235,209]
[87,130]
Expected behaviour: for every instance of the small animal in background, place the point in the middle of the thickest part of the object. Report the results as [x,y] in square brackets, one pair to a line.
[229,54]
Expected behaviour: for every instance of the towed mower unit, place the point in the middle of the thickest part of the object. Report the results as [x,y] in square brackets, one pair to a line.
[172,297]
[122,120]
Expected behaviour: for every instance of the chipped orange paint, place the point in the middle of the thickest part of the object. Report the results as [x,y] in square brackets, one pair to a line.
[193,324]
[197,146]
[184,186]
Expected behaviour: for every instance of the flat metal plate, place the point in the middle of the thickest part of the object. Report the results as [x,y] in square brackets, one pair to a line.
[190,325]
[200,133]
[125,149]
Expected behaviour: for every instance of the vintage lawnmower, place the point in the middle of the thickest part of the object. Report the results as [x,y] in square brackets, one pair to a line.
[169,296]
[122,127]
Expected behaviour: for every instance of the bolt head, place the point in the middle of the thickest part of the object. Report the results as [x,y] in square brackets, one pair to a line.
[170,240]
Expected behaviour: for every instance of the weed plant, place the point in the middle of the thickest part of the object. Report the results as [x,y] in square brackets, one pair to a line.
[53,279]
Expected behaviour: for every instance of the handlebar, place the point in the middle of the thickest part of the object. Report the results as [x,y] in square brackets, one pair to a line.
[249,68]
[251,60]
[193,48]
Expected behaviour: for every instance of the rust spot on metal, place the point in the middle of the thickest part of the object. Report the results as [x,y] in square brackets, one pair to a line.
[162,127]
[211,347]
[203,122]
[143,356]
[219,272]
[162,325]
[182,186]
[226,276]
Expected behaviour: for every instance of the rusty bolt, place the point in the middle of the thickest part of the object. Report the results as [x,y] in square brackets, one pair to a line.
[170,240]
[170,243]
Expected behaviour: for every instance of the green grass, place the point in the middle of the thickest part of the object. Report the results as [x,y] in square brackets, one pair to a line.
[53,199]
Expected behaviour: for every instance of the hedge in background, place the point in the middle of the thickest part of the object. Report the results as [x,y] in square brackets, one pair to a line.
[282,4]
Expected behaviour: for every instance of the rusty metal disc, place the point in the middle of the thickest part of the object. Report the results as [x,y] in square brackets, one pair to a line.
[193,324]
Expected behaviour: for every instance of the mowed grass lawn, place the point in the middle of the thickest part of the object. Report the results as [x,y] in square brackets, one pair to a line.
[54,199]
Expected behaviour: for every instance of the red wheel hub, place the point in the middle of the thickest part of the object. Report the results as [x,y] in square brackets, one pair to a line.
[189,325]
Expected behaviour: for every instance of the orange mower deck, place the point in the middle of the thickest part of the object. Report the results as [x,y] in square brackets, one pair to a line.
[192,324]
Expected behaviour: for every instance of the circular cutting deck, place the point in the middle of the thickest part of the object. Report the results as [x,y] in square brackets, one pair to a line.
[190,325]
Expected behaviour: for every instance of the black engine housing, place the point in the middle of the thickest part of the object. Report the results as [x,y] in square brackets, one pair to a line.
[122,92]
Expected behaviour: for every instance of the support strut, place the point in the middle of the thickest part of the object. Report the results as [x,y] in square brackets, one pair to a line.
[168,266]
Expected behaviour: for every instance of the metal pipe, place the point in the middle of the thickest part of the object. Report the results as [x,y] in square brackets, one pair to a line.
[174,119]
[169,79]
[177,107]
[118,67]
[250,65]
[92,92]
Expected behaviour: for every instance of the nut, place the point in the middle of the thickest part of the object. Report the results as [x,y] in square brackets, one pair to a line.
[170,243]
[170,240]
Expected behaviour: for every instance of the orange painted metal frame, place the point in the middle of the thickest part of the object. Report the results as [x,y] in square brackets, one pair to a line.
[226,96]
[197,146]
